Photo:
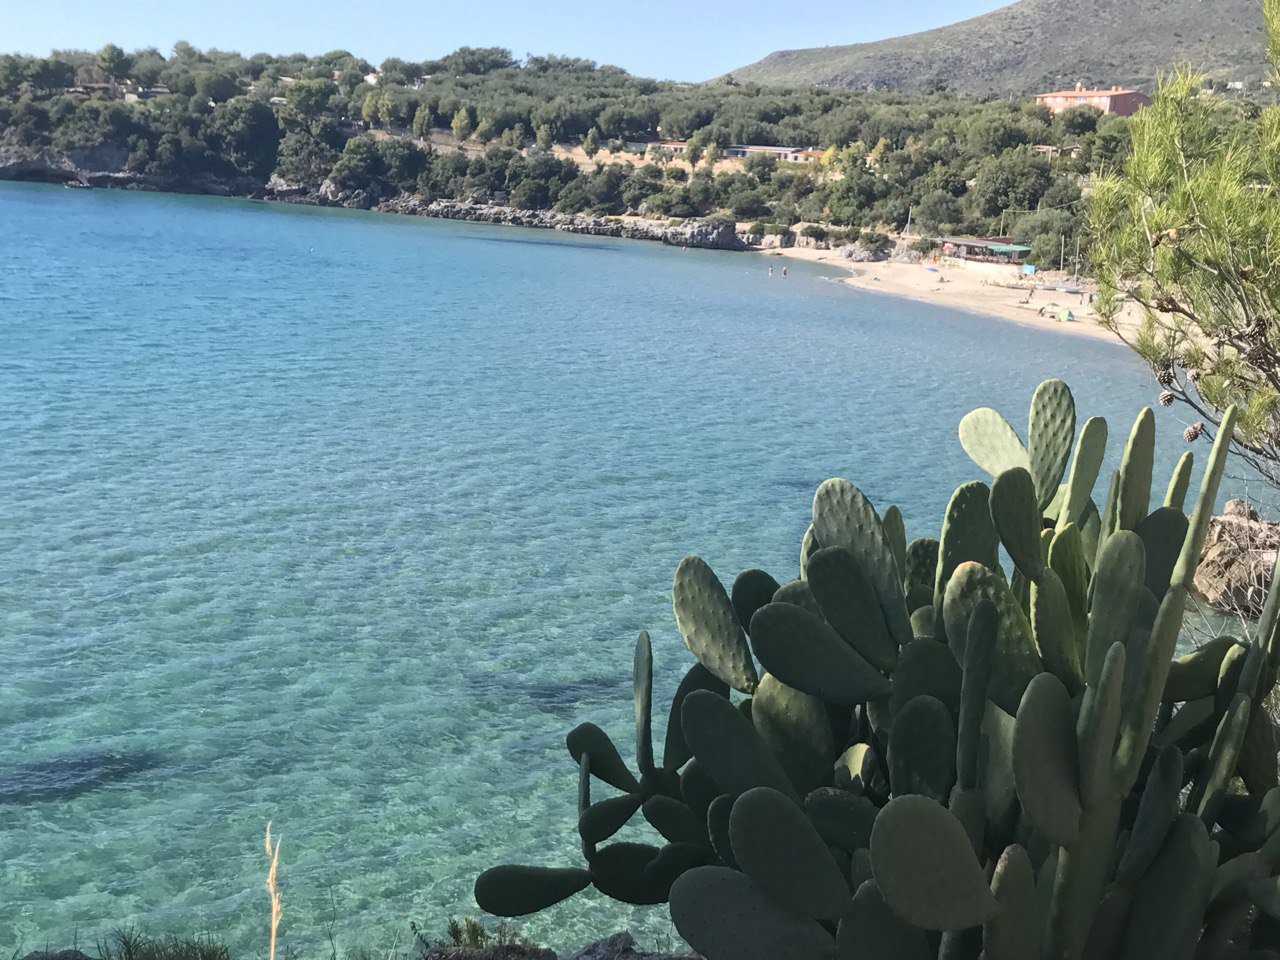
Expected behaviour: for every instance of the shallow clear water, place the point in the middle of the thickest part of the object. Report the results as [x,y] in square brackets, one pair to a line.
[343,521]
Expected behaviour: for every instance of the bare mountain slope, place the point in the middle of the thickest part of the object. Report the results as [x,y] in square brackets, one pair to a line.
[1041,44]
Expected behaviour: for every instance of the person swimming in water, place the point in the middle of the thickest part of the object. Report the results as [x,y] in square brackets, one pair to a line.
[771,271]
[784,271]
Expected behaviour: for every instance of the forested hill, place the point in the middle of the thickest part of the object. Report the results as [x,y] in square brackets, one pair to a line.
[552,133]
[1036,45]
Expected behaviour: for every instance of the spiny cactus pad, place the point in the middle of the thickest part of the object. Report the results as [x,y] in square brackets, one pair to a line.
[922,749]
[752,590]
[1091,448]
[724,916]
[705,616]
[1051,429]
[871,931]
[991,442]
[779,849]
[1013,931]
[1015,513]
[844,517]
[926,868]
[675,752]
[797,728]
[805,653]
[727,745]
[1045,763]
[1015,660]
[926,667]
[1134,493]
[514,891]
[849,603]
[606,762]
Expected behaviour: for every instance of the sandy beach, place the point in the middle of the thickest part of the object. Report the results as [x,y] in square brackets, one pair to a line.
[974,287]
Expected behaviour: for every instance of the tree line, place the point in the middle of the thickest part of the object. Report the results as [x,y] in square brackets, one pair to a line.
[949,164]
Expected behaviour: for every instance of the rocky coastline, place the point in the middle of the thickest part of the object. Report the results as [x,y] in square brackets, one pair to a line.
[106,168]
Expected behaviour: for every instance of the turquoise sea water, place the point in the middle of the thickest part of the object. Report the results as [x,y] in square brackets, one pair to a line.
[342,521]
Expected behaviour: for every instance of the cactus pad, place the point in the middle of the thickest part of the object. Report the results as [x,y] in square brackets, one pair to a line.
[779,849]
[728,747]
[871,931]
[925,866]
[751,590]
[1016,516]
[724,916]
[1046,766]
[514,891]
[922,749]
[705,616]
[805,653]
[796,727]
[1050,432]
[843,517]
[851,605]
[991,443]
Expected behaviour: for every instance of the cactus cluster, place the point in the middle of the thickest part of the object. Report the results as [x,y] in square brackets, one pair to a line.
[935,758]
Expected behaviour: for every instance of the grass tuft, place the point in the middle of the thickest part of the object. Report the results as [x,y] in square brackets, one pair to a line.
[128,944]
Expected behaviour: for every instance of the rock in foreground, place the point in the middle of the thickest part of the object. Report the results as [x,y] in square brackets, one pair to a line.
[1239,555]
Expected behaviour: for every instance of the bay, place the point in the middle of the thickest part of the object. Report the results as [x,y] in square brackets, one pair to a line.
[342,521]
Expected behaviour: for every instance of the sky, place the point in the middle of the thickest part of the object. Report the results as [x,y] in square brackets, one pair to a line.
[667,39]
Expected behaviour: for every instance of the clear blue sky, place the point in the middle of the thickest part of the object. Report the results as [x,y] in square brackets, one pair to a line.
[669,39]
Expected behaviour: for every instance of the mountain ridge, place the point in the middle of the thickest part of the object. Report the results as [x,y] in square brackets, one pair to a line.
[1037,45]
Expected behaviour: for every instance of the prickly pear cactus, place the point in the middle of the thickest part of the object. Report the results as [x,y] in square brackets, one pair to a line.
[932,756]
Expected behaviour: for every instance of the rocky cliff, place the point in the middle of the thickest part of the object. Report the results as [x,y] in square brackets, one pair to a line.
[709,234]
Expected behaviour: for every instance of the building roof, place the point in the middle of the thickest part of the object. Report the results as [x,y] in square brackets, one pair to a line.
[992,244]
[1080,92]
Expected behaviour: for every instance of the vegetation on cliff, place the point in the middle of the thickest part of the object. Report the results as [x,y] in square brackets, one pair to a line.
[963,165]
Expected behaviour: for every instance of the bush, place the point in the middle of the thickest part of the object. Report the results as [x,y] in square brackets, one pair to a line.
[875,243]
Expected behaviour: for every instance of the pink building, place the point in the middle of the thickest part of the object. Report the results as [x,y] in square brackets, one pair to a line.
[1117,100]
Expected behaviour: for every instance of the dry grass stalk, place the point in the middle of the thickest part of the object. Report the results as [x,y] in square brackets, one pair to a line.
[273,888]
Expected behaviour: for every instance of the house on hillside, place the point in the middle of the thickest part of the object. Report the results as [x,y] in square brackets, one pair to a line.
[135,92]
[1117,100]
[740,151]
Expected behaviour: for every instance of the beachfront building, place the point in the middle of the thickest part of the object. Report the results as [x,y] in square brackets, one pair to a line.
[739,151]
[1117,100]
[984,249]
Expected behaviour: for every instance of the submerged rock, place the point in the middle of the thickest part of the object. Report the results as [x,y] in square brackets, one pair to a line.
[66,775]
[56,955]
[1239,555]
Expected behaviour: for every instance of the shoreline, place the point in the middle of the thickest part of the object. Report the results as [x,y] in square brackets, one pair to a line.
[954,284]
[969,287]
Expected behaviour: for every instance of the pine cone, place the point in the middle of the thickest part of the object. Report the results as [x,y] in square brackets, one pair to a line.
[1164,373]
[1166,399]
[1194,376]
[1193,432]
